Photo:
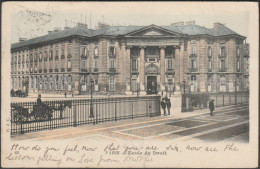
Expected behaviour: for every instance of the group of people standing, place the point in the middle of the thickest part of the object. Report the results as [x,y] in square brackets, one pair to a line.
[166,102]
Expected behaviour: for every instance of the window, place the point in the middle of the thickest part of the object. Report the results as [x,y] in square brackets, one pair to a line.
[32,84]
[134,64]
[170,64]
[238,51]
[69,64]
[238,65]
[40,56]
[209,51]
[193,84]
[209,83]
[134,51]
[111,83]
[223,84]
[69,52]
[56,65]
[209,64]
[193,50]
[51,55]
[83,51]
[112,63]
[62,53]
[96,51]
[112,51]
[169,52]
[83,81]
[96,63]
[222,64]
[57,52]
[35,67]
[193,64]
[83,64]
[222,51]
[45,56]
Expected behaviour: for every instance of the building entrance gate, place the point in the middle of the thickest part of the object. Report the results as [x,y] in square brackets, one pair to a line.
[151,85]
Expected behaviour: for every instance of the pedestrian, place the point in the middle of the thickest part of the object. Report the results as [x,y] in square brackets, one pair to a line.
[163,105]
[65,94]
[211,106]
[39,101]
[168,104]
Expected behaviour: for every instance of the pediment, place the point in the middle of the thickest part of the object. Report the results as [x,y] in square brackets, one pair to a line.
[152,31]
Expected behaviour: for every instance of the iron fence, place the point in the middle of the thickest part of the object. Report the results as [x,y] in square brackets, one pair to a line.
[193,101]
[30,116]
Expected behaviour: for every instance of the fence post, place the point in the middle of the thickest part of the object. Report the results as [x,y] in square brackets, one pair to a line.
[74,115]
[223,100]
[115,110]
[96,115]
[21,120]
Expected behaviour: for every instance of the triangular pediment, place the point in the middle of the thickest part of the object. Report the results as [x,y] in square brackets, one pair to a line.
[151,31]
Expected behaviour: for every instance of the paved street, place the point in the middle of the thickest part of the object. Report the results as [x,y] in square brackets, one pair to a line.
[230,123]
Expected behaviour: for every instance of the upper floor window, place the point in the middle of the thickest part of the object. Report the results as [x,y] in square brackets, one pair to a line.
[57,52]
[62,52]
[112,63]
[96,51]
[96,63]
[134,51]
[134,64]
[83,51]
[51,55]
[222,64]
[112,51]
[210,51]
[193,50]
[222,51]
[169,63]
[69,64]
[238,65]
[169,52]
[238,51]
[69,52]
[193,63]
[209,64]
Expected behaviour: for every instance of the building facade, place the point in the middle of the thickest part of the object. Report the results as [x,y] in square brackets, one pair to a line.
[124,59]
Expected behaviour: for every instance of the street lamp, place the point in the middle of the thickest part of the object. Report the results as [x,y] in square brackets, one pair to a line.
[91,99]
[184,101]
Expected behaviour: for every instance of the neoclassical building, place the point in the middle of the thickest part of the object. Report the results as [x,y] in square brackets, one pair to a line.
[123,59]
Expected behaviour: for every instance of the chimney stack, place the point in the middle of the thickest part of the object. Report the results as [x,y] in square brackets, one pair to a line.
[82,25]
[22,39]
[102,25]
[178,24]
[190,23]
[217,25]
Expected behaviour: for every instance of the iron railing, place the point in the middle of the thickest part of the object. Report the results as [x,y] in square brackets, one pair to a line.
[31,117]
[192,101]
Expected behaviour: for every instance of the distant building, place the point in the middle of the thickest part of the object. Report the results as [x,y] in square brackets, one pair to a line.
[123,59]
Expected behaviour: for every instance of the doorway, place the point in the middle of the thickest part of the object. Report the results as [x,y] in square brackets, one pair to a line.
[151,85]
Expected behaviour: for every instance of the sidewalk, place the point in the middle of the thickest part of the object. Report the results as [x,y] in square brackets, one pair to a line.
[90,129]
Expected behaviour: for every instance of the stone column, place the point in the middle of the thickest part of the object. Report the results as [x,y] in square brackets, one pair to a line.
[127,69]
[141,72]
[162,67]
[178,67]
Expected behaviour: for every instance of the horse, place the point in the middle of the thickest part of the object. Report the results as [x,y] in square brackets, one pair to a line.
[62,106]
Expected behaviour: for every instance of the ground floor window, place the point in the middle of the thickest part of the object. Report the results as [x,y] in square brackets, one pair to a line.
[223,84]
[193,83]
[96,83]
[112,83]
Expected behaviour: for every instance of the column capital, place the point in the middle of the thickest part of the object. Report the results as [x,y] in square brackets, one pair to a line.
[162,47]
[128,47]
[142,47]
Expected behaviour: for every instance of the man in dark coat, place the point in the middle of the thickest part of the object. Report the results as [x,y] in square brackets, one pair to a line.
[163,104]
[211,106]
[168,104]
[39,101]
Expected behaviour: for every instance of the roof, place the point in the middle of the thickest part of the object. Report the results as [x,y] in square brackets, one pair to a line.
[122,30]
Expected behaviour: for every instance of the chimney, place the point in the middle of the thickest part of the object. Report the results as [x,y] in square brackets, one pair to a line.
[178,24]
[102,25]
[190,23]
[82,25]
[22,39]
[217,25]
[56,29]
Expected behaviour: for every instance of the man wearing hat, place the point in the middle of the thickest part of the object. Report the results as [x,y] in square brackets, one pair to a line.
[211,106]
